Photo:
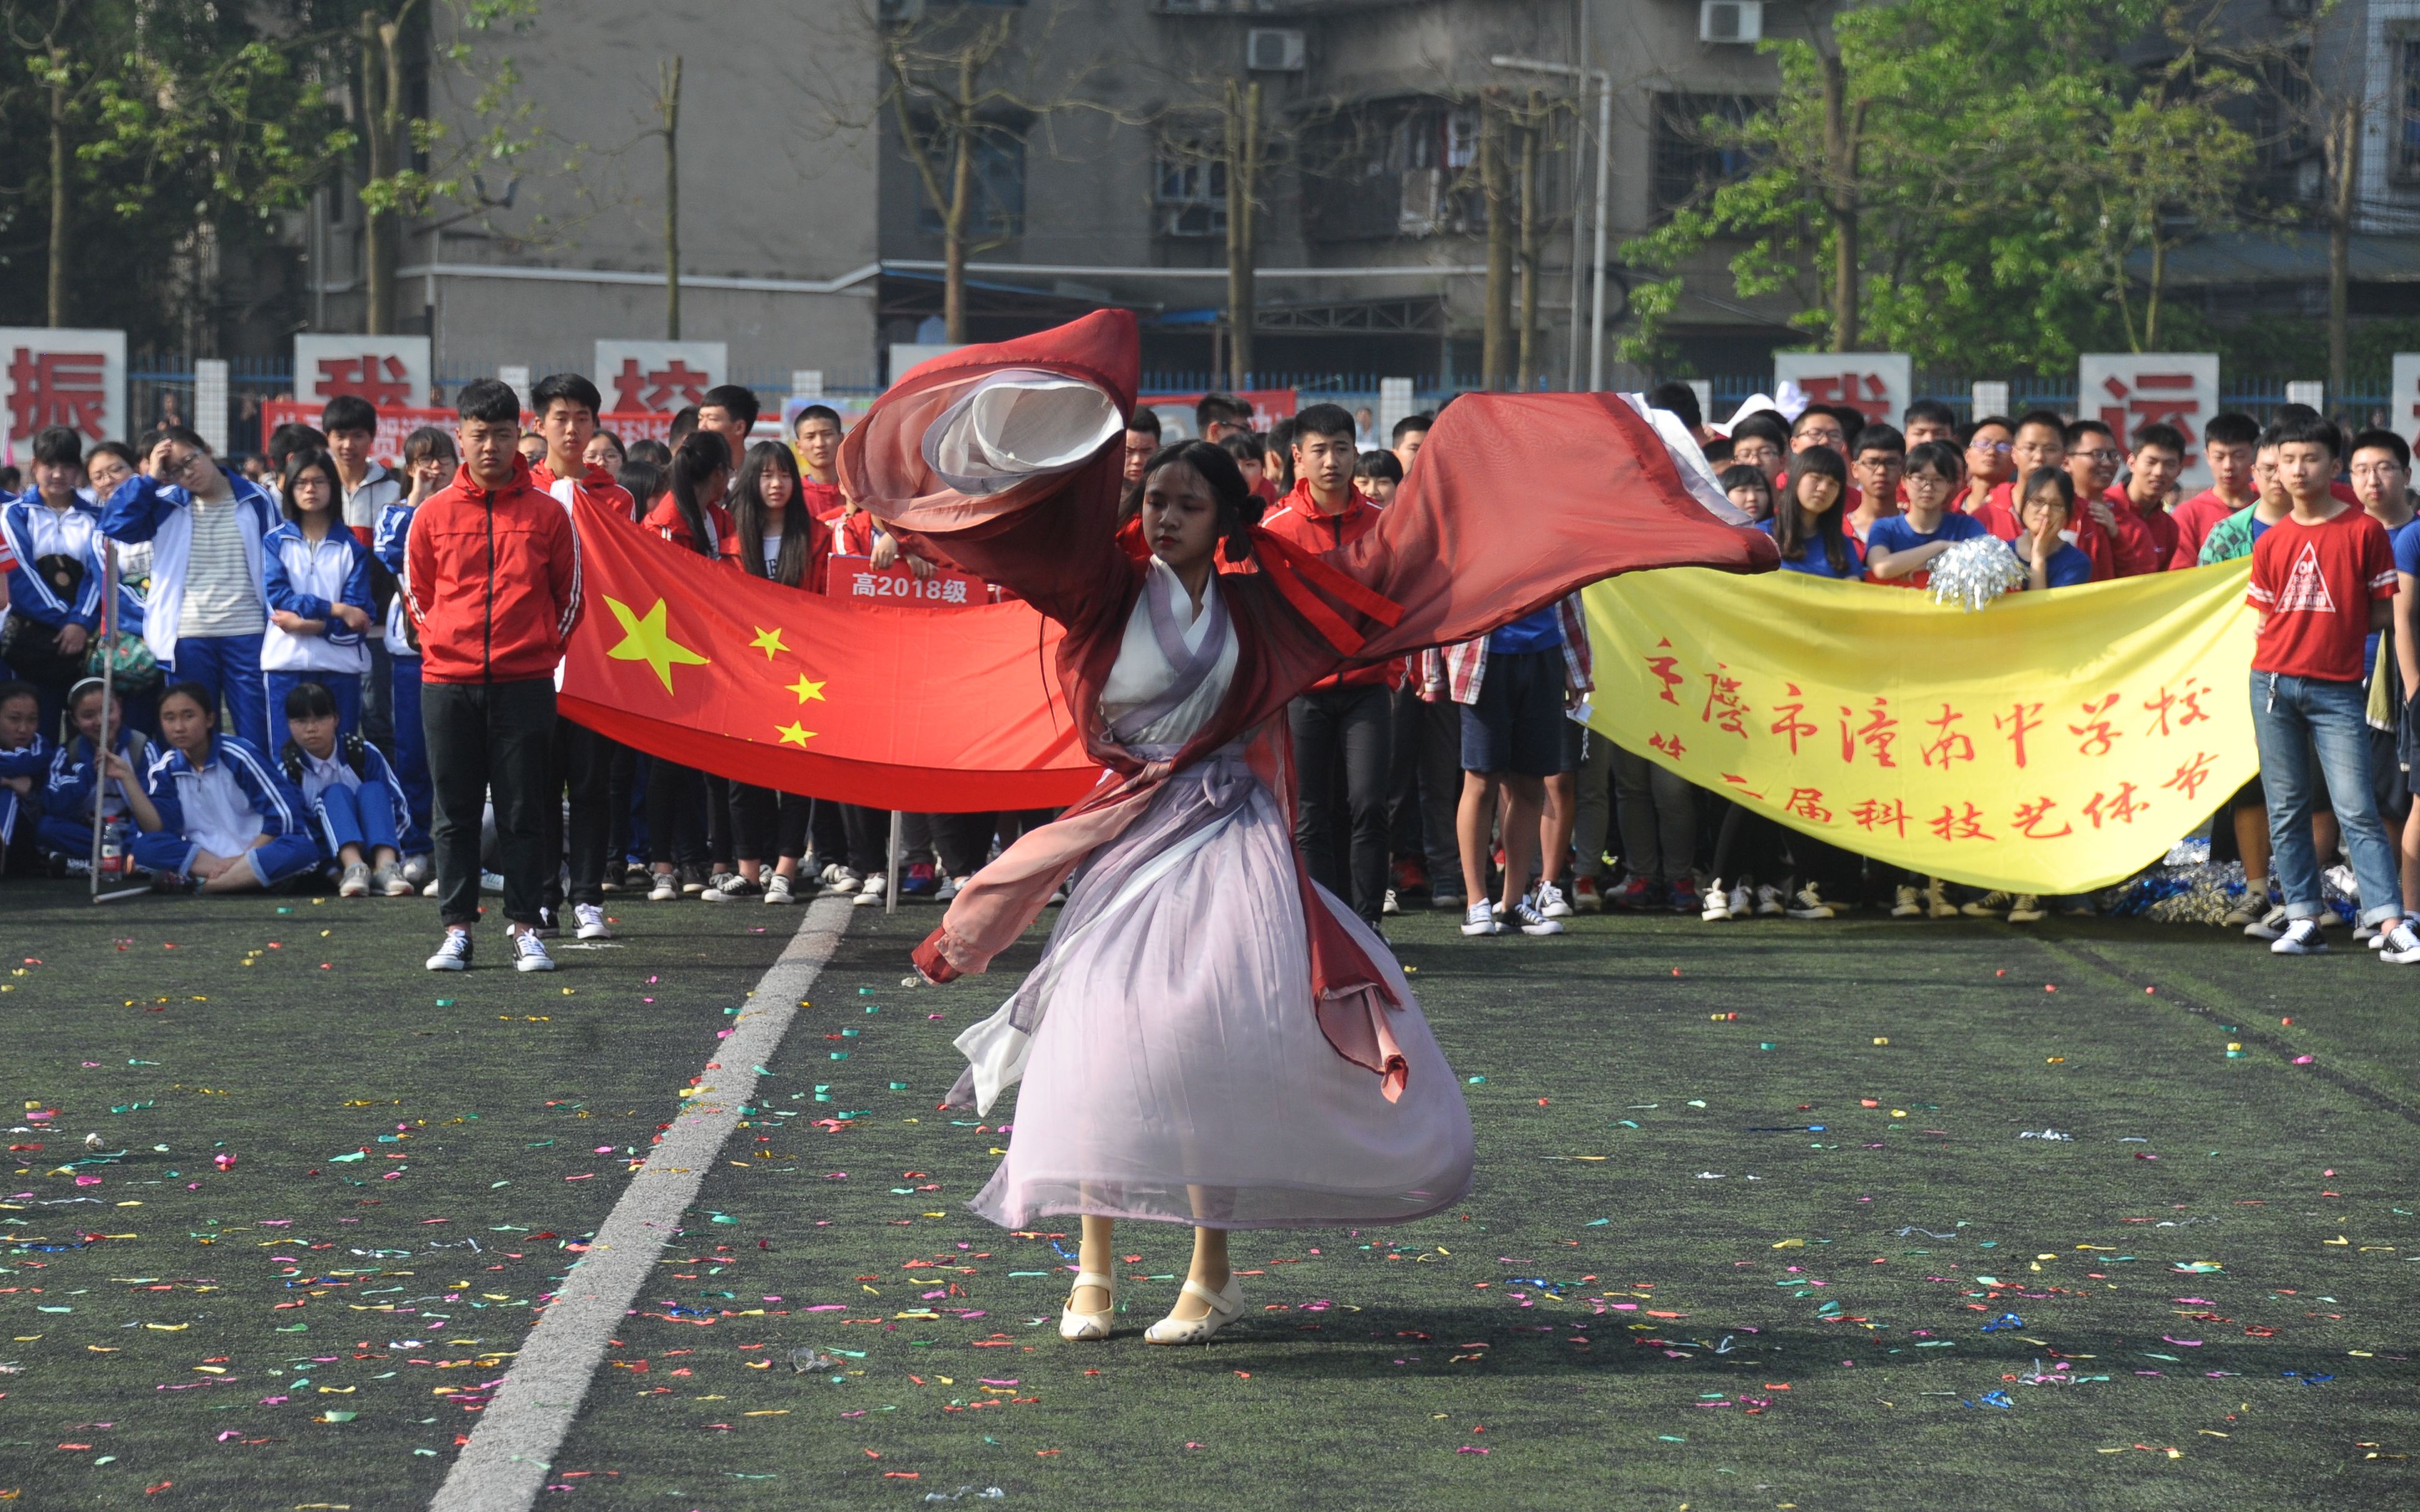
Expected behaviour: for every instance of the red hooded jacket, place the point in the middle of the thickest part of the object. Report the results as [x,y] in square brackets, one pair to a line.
[491,579]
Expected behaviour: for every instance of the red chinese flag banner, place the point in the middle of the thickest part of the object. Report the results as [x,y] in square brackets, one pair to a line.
[695,662]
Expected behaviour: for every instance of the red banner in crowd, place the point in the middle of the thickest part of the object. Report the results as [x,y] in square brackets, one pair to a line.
[1269,405]
[395,424]
[837,697]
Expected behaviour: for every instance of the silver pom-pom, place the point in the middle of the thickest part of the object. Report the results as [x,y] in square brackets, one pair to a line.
[1972,574]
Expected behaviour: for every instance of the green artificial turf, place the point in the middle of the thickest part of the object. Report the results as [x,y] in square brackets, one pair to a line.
[1669,1287]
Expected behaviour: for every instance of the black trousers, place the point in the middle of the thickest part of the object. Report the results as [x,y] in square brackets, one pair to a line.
[675,814]
[768,826]
[490,739]
[964,840]
[855,837]
[581,764]
[1342,738]
[1424,786]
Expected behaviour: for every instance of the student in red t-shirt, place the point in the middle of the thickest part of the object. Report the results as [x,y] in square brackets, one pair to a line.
[2146,537]
[2228,442]
[2323,579]
[1880,463]
[1142,439]
[1344,725]
[1990,444]
[817,434]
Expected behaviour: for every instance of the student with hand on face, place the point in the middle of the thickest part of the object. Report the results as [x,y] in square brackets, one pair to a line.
[2049,562]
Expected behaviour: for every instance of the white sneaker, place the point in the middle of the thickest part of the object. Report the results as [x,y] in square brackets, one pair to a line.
[1990,905]
[1719,903]
[419,870]
[2248,909]
[870,891]
[2403,946]
[1905,904]
[2028,909]
[1391,907]
[951,886]
[838,880]
[1936,899]
[1768,901]
[429,889]
[1480,919]
[1526,918]
[1551,901]
[389,880]
[2302,938]
[455,954]
[529,952]
[491,882]
[1743,904]
[1808,903]
[666,889]
[2269,925]
[777,890]
[357,881]
[592,921]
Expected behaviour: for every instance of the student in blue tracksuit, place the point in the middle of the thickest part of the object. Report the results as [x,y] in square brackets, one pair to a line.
[357,807]
[67,796]
[49,537]
[209,600]
[429,463]
[223,819]
[316,575]
[23,755]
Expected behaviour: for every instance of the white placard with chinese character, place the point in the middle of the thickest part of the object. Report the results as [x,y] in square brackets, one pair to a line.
[2403,398]
[76,378]
[391,372]
[1877,385]
[2125,390]
[658,376]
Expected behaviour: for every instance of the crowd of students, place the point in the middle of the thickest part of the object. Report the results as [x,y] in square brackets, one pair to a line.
[345,674]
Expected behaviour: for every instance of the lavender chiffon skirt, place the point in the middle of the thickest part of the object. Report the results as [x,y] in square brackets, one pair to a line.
[1175,1071]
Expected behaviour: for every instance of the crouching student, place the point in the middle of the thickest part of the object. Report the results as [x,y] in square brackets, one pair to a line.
[68,795]
[23,754]
[357,804]
[222,819]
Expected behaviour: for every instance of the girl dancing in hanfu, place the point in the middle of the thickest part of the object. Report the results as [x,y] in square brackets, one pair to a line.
[1210,1039]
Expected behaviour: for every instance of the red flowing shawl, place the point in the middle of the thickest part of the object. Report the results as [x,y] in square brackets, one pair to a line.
[1517,500]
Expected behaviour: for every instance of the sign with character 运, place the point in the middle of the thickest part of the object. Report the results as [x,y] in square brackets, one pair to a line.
[2125,391]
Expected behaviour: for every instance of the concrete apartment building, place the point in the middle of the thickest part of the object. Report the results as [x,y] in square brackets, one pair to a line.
[808,239]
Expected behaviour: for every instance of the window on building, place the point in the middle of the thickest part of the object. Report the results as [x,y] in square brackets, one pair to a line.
[998,207]
[1190,193]
[1691,157]
[2404,157]
[2284,129]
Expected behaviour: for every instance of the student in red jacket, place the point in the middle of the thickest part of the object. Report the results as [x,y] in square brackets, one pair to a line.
[1344,724]
[580,760]
[492,584]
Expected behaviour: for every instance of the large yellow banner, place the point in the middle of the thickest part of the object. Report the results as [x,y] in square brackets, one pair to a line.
[2052,743]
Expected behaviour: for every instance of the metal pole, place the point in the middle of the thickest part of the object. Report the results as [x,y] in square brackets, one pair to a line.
[898,832]
[108,686]
[1579,106]
[1604,155]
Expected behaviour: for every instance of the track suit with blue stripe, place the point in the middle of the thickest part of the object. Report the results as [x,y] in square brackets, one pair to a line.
[306,578]
[236,797]
[143,509]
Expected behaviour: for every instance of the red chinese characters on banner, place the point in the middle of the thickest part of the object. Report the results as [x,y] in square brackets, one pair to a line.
[1865,393]
[2191,774]
[385,381]
[672,387]
[67,389]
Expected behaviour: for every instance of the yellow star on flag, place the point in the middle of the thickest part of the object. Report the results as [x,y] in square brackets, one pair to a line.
[795,734]
[646,639]
[806,689]
[768,641]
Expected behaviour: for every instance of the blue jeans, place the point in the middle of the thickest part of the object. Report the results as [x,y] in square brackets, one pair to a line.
[2290,718]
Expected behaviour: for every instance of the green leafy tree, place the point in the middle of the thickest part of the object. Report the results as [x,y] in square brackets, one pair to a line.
[2163,171]
[1893,186]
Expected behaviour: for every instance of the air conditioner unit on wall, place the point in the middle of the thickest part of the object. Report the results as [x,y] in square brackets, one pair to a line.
[1731,21]
[1270,50]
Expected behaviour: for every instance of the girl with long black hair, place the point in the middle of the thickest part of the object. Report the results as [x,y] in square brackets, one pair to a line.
[779,540]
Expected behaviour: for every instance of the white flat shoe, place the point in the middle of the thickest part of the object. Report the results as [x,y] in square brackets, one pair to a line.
[1225,1307]
[1077,1328]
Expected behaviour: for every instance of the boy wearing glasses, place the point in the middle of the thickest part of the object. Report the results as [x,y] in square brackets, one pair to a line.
[206,607]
